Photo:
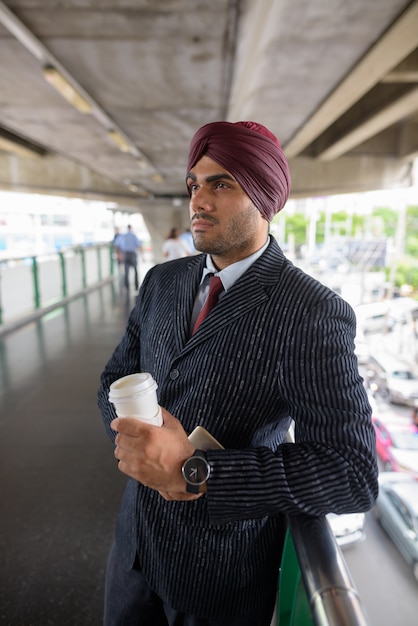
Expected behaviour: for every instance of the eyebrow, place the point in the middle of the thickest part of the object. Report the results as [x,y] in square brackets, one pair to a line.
[211,179]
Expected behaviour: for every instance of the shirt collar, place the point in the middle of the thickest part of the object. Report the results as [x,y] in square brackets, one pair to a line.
[232,272]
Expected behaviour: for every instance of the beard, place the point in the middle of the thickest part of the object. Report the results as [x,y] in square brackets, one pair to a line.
[236,234]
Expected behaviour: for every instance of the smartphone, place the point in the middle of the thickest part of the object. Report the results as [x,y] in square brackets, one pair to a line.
[203,440]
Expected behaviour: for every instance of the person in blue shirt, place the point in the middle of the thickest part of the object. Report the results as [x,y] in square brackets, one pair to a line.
[129,245]
[187,238]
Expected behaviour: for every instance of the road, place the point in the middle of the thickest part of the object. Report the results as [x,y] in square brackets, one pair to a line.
[384,580]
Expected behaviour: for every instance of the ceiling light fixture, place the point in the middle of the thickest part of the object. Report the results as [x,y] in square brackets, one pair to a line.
[66,89]
[122,143]
[56,73]
[142,164]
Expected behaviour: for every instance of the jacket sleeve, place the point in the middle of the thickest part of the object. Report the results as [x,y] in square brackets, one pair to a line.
[332,465]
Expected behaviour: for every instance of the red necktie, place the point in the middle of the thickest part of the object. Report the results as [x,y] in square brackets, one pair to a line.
[215,288]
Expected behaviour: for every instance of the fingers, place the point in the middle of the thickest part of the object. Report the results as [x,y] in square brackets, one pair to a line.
[130,449]
[169,420]
[126,467]
[128,425]
[131,425]
[153,455]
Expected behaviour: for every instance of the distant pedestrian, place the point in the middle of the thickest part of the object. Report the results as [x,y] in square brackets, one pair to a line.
[118,251]
[187,238]
[174,247]
[129,245]
[415,416]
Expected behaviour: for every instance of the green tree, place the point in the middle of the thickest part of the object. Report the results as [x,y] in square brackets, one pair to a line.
[389,218]
[297,225]
[411,235]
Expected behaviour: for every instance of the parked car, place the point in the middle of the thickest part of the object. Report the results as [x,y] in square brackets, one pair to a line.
[397,445]
[396,509]
[348,528]
[392,379]
[361,348]
[374,317]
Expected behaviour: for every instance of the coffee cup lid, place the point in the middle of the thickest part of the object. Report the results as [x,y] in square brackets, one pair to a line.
[132,384]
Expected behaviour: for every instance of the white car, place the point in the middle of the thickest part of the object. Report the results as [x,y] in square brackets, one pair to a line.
[362,350]
[396,509]
[348,528]
[392,379]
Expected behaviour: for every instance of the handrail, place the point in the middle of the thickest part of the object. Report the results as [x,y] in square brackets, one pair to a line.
[331,593]
[53,252]
[46,288]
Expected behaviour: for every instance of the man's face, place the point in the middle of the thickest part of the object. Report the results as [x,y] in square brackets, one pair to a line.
[224,221]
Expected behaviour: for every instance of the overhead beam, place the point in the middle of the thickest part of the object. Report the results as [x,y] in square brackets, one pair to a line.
[405,72]
[348,174]
[396,44]
[253,41]
[408,141]
[55,175]
[12,144]
[400,109]
[397,76]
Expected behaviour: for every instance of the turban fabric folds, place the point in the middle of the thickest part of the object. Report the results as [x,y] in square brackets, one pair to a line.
[253,155]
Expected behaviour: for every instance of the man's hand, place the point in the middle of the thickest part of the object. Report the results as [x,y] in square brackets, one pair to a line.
[154,455]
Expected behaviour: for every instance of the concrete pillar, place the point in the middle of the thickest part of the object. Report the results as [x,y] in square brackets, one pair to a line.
[160,217]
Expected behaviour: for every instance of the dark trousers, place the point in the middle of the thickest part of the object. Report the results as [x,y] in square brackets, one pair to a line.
[129,601]
[130,259]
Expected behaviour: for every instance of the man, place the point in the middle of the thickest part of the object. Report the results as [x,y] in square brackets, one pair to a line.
[278,346]
[129,244]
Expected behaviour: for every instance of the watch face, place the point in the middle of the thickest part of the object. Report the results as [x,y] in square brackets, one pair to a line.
[196,470]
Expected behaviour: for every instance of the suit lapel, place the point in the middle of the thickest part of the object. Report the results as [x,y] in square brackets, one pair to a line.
[185,286]
[250,291]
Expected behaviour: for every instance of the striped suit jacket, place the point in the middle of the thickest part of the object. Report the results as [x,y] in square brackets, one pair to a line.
[279,346]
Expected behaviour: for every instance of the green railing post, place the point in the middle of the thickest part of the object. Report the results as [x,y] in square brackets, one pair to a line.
[63,275]
[36,292]
[293,606]
[99,263]
[112,260]
[83,267]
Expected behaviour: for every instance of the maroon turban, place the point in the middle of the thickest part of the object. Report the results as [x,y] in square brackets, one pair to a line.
[253,155]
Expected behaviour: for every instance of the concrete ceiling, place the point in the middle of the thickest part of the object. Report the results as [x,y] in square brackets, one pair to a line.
[337,82]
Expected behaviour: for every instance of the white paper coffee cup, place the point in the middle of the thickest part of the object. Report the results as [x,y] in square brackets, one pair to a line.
[135,396]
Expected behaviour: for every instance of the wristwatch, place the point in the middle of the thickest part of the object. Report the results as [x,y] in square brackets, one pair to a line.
[195,470]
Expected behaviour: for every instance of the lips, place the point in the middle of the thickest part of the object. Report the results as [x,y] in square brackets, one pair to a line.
[201,224]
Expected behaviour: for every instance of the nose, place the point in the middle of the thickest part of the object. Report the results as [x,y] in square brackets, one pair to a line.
[199,201]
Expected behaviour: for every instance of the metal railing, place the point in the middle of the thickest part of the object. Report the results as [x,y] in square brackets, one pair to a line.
[33,285]
[315,583]
[330,595]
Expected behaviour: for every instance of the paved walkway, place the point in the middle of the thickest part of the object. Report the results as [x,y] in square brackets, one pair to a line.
[59,484]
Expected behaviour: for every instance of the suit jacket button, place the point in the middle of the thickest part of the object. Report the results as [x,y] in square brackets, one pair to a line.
[174,374]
